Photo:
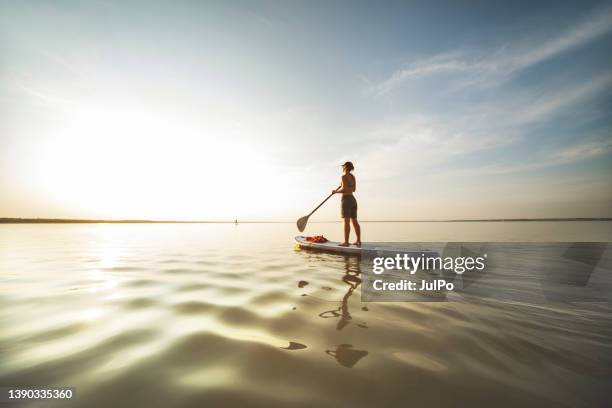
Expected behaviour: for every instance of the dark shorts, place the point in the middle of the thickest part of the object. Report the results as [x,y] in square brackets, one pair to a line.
[349,206]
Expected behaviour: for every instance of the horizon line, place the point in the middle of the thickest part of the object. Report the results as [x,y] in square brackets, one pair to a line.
[18,220]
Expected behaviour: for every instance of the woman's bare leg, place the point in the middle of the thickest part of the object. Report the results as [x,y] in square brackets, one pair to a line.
[357,228]
[347,231]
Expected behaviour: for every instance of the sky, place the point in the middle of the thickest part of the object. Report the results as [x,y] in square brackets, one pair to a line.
[216,110]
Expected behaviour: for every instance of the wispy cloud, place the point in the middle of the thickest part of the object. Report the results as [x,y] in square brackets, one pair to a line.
[582,151]
[443,63]
[47,98]
[597,24]
[503,62]
[547,105]
[563,156]
[535,106]
[425,145]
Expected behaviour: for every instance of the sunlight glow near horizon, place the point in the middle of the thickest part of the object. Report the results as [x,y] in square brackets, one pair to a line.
[135,163]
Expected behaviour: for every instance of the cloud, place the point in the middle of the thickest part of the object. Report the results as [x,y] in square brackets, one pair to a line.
[422,145]
[442,63]
[582,151]
[528,109]
[49,99]
[567,155]
[599,23]
[500,64]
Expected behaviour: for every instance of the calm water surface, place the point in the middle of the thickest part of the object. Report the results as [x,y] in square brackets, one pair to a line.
[207,314]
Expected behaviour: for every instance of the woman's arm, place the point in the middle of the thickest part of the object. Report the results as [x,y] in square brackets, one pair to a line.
[340,188]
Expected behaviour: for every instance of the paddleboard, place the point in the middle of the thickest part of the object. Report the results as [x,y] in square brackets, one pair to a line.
[367,248]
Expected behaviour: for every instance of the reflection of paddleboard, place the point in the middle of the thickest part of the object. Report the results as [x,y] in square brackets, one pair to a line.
[371,249]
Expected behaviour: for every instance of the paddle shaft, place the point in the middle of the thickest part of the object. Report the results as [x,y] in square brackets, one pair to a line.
[322,202]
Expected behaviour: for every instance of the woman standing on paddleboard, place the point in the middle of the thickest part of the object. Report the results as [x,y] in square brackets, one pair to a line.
[349,203]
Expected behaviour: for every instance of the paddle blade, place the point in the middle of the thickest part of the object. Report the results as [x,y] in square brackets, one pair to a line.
[301,223]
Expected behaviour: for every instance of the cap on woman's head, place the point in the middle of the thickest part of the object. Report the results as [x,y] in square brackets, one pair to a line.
[349,166]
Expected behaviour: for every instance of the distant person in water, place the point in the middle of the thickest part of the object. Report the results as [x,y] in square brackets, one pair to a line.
[348,203]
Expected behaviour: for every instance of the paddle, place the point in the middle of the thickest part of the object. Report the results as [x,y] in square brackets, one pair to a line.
[301,223]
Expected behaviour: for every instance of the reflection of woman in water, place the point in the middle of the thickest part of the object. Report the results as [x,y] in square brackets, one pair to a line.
[349,203]
[345,354]
[351,278]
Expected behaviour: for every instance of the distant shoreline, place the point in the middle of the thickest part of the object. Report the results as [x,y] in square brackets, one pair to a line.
[85,221]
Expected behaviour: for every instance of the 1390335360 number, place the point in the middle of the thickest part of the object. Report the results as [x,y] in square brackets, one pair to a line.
[8,394]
